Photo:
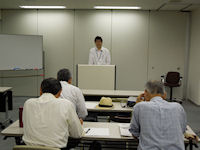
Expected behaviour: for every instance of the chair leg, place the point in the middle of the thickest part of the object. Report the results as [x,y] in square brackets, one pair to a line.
[171,93]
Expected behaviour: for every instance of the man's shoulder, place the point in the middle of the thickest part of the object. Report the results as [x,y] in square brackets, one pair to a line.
[74,88]
[105,49]
[93,49]
[176,105]
[142,105]
[69,85]
[65,102]
[31,100]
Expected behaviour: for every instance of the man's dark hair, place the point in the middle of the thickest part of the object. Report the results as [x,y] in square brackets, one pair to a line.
[64,75]
[98,38]
[50,85]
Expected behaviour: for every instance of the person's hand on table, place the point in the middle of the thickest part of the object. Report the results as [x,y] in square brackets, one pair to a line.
[81,121]
[140,98]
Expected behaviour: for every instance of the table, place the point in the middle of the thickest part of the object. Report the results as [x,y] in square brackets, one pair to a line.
[111,93]
[15,131]
[116,111]
[95,95]
[117,107]
[5,104]
[4,89]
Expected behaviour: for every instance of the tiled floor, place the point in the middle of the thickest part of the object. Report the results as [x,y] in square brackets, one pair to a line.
[192,111]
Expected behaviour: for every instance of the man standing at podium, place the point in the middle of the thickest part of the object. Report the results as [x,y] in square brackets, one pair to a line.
[99,55]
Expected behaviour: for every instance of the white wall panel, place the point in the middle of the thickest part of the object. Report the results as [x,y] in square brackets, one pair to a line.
[57,27]
[129,48]
[19,21]
[194,71]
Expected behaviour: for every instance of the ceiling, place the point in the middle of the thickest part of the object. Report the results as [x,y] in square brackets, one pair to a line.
[185,5]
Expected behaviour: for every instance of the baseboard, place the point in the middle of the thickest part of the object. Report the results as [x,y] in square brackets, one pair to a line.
[193,102]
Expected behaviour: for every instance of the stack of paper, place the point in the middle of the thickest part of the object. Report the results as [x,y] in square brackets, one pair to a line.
[96,131]
[124,129]
[91,105]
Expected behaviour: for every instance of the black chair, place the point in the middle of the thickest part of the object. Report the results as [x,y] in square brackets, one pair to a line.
[6,104]
[171,80]
[121,118]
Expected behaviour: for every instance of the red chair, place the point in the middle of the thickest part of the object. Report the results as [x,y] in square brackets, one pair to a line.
[172,79]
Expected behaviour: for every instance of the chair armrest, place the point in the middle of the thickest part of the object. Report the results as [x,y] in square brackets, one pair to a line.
[180,81]
[162,78]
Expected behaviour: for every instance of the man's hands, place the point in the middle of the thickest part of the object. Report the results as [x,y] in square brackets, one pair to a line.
[81,120]
[140,98]
[191,136]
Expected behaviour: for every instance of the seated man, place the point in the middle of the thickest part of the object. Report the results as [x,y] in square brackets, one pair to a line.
[158,124]
[72,93]
[49,120]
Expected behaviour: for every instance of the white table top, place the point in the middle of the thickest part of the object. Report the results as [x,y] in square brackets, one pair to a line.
[4,89]
[114,131]
[119,93]
[15,131]
[91,106]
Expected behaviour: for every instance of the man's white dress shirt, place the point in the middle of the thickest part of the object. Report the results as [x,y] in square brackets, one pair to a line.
[49,121]
[99,57]
[75,95]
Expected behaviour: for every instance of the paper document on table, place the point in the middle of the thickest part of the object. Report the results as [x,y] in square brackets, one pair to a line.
[97,131]
[90,105]
[124,129]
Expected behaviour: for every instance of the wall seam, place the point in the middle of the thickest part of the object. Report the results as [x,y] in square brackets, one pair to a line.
[148,43]
[74,63]
[111,23]
[187,54]
[37,80]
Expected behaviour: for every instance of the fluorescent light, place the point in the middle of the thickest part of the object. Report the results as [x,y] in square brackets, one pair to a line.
[117,7]
[43,7]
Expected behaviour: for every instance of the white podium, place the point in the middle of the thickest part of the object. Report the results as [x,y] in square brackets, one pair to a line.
[100,77]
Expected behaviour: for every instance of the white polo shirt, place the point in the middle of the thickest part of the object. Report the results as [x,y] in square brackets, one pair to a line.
[75,95]
[99,57]
[49,121]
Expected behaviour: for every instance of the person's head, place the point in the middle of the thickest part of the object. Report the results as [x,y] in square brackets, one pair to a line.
[98,42]
[64,75]
[154,88]
[51,85]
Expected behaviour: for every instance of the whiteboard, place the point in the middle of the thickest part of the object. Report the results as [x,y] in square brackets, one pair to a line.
[99,77]
[21,52]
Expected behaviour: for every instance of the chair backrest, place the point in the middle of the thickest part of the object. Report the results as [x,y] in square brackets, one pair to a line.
[173,77]
[26,147]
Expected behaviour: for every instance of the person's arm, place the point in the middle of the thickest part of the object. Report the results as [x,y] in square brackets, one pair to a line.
[81,108]
[108,58]
[135,125]
[183,118]
[187,134]
[24,114]
[74,124]
[91,59]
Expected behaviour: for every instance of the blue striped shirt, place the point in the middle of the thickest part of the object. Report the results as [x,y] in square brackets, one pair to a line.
[159,125]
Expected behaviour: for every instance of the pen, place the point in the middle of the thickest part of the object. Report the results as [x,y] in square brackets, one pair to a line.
[87,130]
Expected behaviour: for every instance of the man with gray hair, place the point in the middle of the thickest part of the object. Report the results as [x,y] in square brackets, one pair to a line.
[158,124]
